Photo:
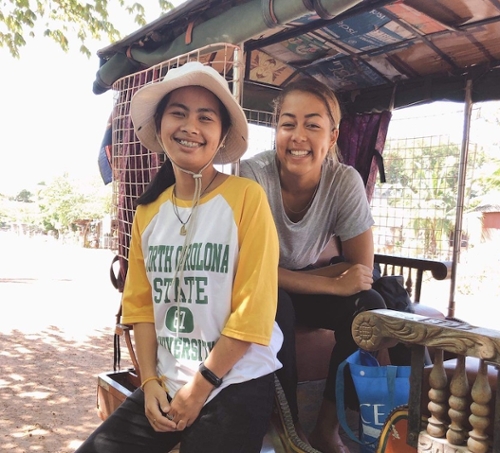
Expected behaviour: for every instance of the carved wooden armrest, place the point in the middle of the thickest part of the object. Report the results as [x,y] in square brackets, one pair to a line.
[373,329]
[448,401]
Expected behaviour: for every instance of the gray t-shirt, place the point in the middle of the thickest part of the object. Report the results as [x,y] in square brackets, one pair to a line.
[340,208]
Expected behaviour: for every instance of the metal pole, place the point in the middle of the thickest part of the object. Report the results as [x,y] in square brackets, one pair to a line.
[238,79]
[462,173]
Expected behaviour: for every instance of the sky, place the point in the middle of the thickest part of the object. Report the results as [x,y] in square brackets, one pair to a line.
[51,122]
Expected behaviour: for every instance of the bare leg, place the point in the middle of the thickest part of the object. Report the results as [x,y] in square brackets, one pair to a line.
[325,436]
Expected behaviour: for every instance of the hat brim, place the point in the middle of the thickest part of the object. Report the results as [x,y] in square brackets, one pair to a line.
[145,102]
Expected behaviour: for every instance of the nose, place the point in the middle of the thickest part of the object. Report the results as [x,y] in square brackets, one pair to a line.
[190,124]
[299,134]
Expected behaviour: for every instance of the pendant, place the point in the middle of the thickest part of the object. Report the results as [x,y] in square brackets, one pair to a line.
[183,231]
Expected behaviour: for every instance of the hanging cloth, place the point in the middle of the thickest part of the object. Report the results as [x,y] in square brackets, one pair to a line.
[361,142]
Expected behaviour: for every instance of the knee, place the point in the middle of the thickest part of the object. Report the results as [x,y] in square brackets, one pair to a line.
[369,300]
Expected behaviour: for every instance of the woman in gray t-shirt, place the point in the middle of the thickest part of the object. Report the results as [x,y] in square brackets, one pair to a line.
[315,199]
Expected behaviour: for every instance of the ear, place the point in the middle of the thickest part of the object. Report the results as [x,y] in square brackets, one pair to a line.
[334,135]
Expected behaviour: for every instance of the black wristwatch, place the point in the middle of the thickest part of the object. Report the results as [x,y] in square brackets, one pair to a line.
[210,376]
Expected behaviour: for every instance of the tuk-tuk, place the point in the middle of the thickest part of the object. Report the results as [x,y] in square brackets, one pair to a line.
[377,55]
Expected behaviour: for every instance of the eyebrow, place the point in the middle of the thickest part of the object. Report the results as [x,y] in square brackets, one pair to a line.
[309,115]
[200,110]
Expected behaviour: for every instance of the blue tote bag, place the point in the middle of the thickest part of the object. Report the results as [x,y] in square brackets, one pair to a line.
[379,388]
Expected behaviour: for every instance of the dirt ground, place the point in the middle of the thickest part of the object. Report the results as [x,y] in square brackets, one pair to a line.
[56,336]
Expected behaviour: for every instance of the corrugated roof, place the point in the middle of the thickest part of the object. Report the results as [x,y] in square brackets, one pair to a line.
[373,53]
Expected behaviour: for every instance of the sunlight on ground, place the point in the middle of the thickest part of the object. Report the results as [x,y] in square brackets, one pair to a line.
[58,334]
[477,289]
[61,288]
[65,289]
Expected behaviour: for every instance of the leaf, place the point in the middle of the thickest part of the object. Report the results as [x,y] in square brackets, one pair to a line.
[89,20]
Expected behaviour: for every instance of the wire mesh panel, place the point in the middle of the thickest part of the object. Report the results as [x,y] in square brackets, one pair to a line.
[415,210]
[133,165]
[261,132]
[259,118]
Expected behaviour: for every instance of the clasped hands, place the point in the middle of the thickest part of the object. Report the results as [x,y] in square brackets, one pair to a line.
[175,415]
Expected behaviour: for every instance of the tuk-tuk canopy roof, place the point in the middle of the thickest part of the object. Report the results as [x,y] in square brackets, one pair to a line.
[375,54]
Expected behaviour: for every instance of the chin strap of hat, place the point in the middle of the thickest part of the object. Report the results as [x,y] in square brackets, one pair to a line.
[179,269]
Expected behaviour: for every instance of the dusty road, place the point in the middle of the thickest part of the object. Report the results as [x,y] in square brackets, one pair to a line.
[56,335]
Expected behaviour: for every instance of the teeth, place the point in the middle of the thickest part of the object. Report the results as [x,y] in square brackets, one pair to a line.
[188,144]
[296,152]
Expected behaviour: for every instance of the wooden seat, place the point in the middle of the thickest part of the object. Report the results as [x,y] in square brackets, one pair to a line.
[471,369]
[314,346]
[453,403]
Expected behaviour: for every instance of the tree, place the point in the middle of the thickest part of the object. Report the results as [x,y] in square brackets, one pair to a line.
[62,20]
[421,192]
[22,213]
[25,196]
[494,179]
[64,202]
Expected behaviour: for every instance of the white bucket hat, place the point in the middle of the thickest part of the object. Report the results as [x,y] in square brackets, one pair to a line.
[145,102]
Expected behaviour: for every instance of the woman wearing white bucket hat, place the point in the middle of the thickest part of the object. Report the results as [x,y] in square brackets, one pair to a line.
[201,288]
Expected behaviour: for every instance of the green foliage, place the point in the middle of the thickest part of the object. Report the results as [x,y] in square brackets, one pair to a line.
[25,196]
[61,20]
[492,182]
[421,192]
[423,185]
[19,211]
[63,202]
[60,206]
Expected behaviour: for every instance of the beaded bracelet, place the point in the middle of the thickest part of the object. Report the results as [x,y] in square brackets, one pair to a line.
[160,380]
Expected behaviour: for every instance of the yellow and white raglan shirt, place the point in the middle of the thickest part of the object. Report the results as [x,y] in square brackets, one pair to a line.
[229,282]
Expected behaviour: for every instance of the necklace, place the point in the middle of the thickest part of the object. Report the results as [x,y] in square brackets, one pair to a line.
[183,230]
[307,206]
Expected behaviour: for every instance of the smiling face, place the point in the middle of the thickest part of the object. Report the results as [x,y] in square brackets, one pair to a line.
[304,134]
[191,127]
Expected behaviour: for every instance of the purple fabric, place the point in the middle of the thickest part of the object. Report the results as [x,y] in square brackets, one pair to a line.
[361,142]
[361,137]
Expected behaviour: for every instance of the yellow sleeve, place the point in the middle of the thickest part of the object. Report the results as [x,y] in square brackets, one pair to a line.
[137,303]
[255,288]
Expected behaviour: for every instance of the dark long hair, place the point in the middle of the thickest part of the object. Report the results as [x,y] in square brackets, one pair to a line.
[165,177]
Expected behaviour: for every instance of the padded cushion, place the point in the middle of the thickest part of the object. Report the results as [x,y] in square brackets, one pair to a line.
[426,310]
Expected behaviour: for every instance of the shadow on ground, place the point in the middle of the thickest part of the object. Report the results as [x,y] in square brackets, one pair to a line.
[48,388]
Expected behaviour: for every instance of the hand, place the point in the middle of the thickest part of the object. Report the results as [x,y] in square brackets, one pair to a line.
[355,279]
[187,404]
[157,408]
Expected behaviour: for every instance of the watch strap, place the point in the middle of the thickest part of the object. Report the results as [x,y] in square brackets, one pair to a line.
[210,376]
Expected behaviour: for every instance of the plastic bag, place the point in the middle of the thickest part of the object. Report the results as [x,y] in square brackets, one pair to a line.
[379,389]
